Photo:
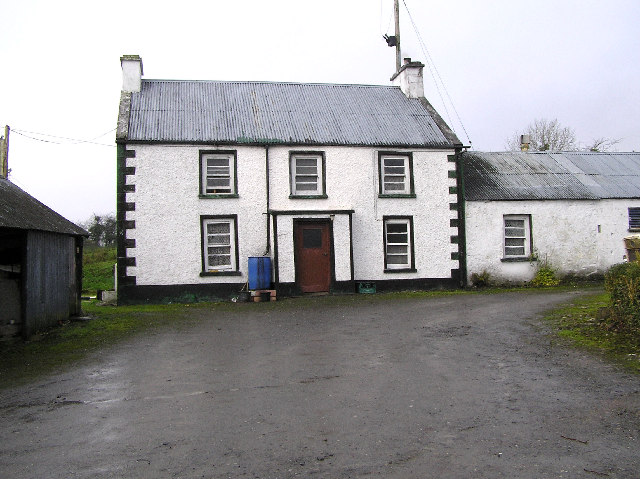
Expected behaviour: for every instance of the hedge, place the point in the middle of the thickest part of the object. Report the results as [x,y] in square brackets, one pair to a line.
[622,282]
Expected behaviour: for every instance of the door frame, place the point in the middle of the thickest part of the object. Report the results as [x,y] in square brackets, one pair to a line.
[296,261]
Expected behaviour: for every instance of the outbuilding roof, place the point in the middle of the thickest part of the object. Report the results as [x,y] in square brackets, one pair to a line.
[550,175]
[279,113]
[20,210]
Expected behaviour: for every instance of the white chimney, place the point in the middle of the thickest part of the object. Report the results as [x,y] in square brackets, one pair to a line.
[131,73]
[409,79]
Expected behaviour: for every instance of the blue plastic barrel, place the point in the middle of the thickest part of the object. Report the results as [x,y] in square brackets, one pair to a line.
[259,272]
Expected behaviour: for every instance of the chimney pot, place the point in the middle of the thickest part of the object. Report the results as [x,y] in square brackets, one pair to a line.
[525,141]
[407,61]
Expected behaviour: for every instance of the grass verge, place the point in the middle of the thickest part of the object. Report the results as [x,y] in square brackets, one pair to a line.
[578,324]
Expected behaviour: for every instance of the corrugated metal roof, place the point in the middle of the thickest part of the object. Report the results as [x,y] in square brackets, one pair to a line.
[551,175]
[22,211]
[291,113]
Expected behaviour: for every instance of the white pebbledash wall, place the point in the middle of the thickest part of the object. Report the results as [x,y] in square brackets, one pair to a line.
[581,237]
[168,209]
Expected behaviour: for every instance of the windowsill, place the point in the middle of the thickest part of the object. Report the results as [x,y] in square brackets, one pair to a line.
[525,259]
[410,195]
[220,273]
[307,197]
[211,197]
[403,270]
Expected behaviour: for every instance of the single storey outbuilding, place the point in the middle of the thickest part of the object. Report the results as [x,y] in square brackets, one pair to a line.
[570,210]
[40,264]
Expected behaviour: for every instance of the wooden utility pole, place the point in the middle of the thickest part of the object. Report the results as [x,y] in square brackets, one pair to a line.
[396,12]
[4,153]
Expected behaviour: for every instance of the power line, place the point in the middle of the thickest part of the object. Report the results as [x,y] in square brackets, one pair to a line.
[439,80]
[74,141]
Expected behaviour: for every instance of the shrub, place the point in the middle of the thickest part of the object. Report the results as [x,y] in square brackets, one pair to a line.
[545,276]
[480,280]
[622,282]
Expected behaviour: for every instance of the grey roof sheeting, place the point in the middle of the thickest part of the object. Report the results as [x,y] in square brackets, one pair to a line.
[20,210]
[282,113]
[550,175]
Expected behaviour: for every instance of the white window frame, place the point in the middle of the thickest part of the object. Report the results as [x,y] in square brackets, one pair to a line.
[213,240]
[301,174]
[218,173]
[513,238]
[395,174]
[394,248]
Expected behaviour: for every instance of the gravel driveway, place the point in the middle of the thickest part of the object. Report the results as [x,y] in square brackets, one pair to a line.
[463,386]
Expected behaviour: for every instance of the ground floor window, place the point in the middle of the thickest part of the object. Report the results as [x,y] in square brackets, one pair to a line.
[517,236]
[398,243]
[634,219]
[219,244]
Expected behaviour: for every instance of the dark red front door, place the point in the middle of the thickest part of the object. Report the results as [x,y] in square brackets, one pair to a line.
[313,256]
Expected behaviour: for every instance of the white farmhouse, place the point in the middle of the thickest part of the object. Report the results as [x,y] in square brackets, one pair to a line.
[571,210]
[337,185]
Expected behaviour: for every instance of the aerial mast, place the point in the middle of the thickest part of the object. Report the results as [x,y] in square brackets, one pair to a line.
[394,41]
[396,13]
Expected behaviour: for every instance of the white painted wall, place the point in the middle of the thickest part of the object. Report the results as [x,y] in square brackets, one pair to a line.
[352,184]
[168,209]
[575,237]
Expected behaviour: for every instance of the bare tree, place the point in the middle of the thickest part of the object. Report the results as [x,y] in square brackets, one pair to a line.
[545,135]
[603,144]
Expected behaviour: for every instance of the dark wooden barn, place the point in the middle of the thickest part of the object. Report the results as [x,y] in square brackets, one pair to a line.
[40,264]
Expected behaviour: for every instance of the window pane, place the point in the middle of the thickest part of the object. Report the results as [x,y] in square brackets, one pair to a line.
[306,170]
[306,187]
[397,249]
[397,238]
[212,182]
[219,250]
[394,162]
[514,232]
[306,162]
[218,162]
[394,186]
[514,242]
[514,223]
[219,239]
[218,227]
[397,259]
[514,251]
[219,260]
[397,227]
[394,179]
[394,171]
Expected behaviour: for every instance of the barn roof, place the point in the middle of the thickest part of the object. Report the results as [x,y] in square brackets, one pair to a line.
[20,210]
[550,175]
[280,113]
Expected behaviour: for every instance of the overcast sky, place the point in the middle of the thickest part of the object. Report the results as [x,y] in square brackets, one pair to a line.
[503,63]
